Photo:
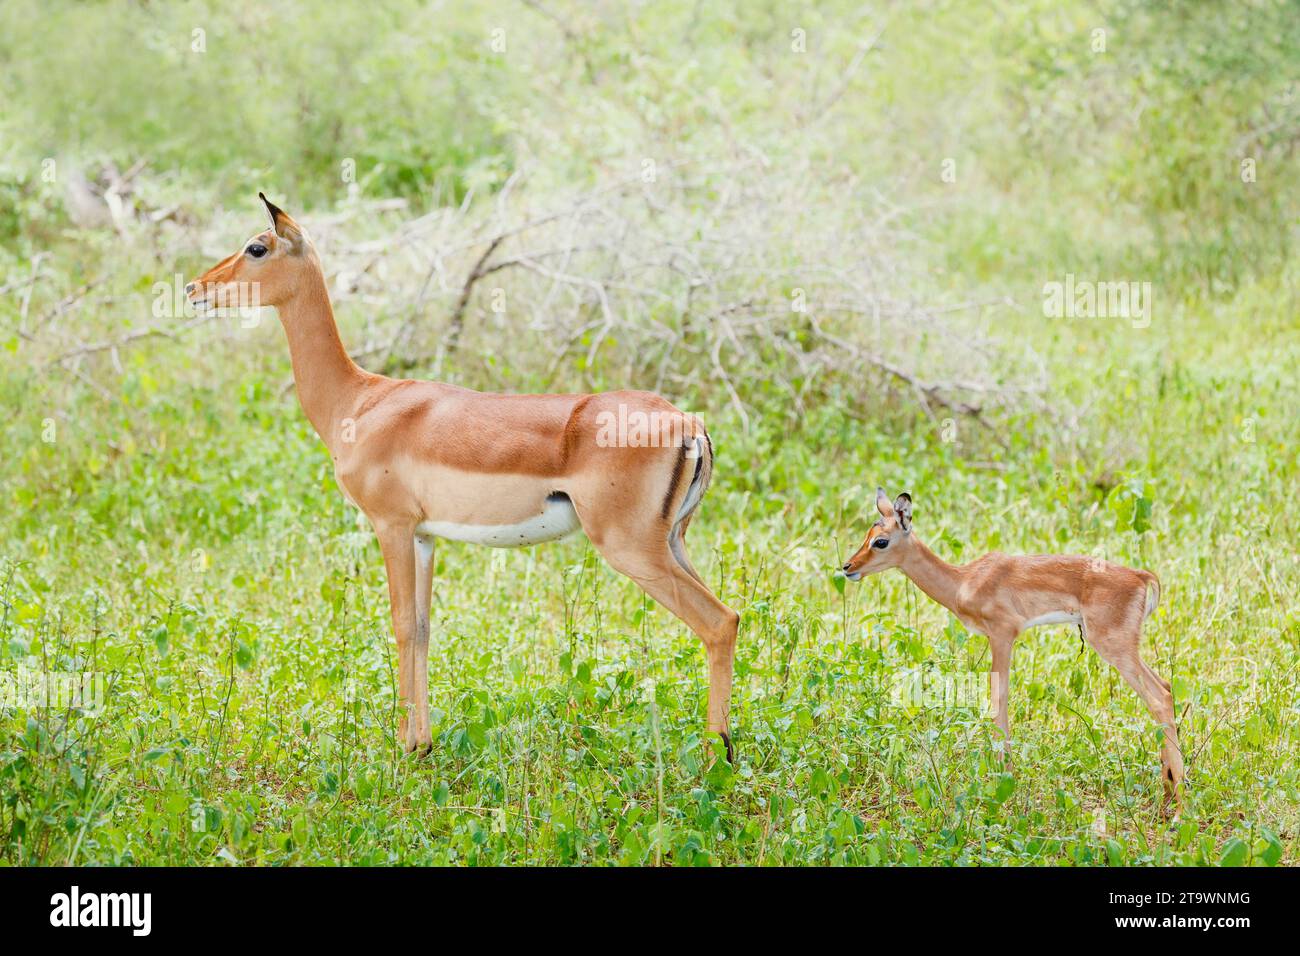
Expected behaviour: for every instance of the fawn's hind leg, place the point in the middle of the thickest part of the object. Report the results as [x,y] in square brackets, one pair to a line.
[1118,645]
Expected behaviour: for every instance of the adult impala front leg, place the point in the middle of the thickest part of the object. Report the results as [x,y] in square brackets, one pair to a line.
[424,544]
[403,565]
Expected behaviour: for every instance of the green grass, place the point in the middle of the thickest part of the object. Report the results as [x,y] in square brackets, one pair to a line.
[179,533]
[240,618]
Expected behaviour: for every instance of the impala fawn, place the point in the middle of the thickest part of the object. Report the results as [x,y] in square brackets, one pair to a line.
[1001,595]
[424,460]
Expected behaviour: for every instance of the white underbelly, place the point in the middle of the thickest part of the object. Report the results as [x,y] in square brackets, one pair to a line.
[557,519]
[1053,617]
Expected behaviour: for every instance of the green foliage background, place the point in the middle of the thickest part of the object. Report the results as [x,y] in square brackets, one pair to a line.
[181,533]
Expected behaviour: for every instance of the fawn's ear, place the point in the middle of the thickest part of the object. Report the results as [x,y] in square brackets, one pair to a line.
[903,508]
[282,223]
[882,503]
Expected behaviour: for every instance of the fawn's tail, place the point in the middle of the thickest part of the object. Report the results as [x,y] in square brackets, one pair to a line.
[1153,592]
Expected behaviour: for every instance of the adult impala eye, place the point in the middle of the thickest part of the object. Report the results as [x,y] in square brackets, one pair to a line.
[880,543]
[256,250]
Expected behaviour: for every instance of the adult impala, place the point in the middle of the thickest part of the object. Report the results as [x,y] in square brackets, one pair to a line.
[424,460]
[1001,595]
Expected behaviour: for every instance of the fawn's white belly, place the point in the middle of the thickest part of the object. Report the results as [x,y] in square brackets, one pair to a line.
[557,519]
[1053,617]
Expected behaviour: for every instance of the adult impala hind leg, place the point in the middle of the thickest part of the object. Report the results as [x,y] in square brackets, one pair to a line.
[716,625]
[1117,642]
[721,654]
[677,544]
[646,556]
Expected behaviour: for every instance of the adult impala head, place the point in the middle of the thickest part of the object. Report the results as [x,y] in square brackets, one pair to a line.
[888,540]
[267,269]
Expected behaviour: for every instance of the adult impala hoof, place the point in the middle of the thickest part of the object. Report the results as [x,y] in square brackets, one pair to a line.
[731,751]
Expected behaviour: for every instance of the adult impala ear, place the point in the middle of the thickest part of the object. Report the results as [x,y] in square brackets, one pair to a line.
[903,508]
[882,503]
[282,223]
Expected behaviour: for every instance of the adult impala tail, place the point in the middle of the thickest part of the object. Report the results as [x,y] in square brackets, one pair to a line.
[424,460]
[1001,595]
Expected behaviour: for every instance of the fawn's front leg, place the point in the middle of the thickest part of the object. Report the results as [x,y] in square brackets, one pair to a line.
[999,685]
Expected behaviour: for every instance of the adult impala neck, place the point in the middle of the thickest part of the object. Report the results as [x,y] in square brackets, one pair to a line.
[327,379]
[933,575]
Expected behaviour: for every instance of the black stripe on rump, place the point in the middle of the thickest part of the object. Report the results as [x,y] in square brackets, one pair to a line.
[677,480]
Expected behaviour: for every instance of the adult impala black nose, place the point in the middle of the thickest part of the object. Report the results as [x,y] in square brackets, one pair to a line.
[845,569]
[189,288]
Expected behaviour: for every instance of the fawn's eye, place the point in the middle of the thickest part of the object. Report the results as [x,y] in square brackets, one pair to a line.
[880,543]
[256,250]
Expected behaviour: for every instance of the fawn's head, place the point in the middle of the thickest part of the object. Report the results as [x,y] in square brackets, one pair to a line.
[266,270]
[888,540]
